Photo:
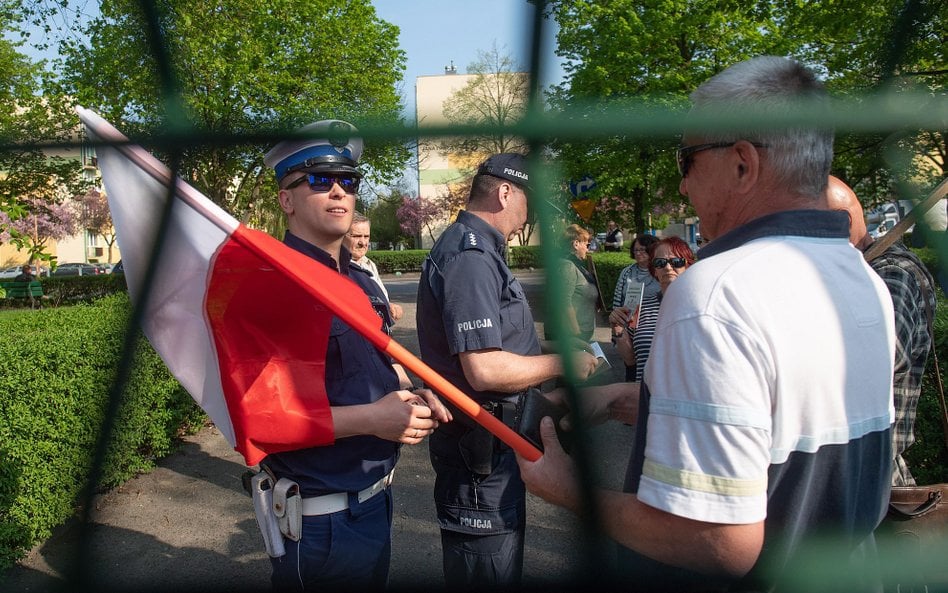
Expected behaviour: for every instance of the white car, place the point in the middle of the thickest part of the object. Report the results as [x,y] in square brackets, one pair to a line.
[10,272]
[877,230]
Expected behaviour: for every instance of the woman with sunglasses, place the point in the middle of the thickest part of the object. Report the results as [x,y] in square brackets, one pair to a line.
[669,257]
[633,279]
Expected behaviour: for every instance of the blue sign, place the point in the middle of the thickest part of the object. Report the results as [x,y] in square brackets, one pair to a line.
[578,188]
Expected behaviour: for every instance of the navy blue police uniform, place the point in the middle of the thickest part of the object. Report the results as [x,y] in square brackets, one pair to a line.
[468,299]
[346,507]
[356,373]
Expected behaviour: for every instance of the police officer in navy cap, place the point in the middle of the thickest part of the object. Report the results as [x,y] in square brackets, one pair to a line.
[476,329]
[344,538]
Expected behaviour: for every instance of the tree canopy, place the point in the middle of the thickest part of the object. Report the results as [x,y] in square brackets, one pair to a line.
[34,180]
[652,53]
[242,68]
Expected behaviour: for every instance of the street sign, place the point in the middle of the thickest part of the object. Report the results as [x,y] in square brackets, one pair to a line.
[580,187]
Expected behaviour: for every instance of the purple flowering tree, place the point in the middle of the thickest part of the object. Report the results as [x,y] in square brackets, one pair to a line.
[40,222]
[417,214]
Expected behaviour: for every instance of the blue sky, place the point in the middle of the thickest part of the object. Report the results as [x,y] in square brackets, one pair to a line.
[435,33]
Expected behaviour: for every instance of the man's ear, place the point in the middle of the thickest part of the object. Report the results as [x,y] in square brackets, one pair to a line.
[504,191]
[746,165]
[286,201]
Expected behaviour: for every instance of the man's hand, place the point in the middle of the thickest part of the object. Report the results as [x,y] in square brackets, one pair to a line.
[403,417]
[395,311]
[438,409]
[617,401]
[553,476]
[584,364]
[620,317]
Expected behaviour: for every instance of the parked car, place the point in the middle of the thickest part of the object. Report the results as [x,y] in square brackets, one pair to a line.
[877,230]
[10,273]
[76,270]
[118,268]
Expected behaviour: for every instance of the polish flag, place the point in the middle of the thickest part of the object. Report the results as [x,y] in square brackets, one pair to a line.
[240,319]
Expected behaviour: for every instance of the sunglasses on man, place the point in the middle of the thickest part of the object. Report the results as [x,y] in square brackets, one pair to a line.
[324,183]
[676,262]
[684,155]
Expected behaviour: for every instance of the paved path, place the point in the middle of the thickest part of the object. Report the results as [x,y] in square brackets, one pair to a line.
[189,526]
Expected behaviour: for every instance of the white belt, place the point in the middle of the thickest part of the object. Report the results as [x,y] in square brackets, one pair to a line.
[339,501]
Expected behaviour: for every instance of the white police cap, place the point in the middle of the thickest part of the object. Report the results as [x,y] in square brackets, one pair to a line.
[337,151]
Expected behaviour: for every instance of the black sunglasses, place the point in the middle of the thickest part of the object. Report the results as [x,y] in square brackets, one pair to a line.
[660,262]
[684,154]
[324,183]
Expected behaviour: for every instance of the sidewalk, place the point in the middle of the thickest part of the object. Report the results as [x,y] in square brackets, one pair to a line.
[189,526]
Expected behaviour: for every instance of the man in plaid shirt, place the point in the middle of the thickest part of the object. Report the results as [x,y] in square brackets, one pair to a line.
[910,285]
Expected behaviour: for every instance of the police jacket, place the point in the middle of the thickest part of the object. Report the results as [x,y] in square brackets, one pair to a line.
[356,373]
[468,299]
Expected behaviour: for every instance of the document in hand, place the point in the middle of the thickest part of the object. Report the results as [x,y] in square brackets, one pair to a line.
[634,293]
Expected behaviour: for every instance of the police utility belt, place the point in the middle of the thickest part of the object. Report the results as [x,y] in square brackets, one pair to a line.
[280,508]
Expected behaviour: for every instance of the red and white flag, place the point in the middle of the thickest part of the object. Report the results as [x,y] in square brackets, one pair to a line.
[240,319]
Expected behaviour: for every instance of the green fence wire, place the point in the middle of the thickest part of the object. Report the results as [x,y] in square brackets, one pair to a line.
[884,111]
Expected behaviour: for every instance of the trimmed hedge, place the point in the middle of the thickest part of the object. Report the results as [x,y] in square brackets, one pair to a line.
[410,260]
[70,290]
[56,371]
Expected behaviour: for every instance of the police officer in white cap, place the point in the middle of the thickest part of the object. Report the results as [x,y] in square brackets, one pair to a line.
[475,328]
[344,538]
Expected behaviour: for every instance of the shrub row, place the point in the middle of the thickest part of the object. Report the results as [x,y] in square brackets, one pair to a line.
[70,290]
[56,371]
[410,260]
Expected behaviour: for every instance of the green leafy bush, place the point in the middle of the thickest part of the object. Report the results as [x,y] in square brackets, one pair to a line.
[69,290]
[928,457]
[390,262]
[410,260]
[57,368]
[608,267]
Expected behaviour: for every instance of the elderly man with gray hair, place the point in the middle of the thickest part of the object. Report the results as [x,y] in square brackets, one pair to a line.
[763,421]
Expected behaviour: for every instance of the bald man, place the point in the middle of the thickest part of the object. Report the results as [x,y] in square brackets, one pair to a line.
[910,285]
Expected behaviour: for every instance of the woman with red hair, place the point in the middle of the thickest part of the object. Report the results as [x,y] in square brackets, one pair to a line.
[668,258]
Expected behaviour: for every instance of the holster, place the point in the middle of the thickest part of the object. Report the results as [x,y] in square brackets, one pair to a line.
[262,493]
[477,450]
[288,508]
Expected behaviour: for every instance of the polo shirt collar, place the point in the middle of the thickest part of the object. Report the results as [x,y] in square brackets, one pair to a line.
[323,257]
[499,242]
[824,224]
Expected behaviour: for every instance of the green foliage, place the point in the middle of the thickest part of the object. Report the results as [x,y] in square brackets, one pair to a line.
[928,457]
[69,290]
[410,260]
[524,257]
[243,67]
[655,52]
[56,372]
[390,262]
[28,174]
[608,267]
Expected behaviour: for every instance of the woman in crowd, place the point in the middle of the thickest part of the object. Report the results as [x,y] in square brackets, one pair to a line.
[669,257]
[636,275]
[579,285]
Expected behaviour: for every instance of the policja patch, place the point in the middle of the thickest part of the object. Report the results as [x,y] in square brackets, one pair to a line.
[510,166]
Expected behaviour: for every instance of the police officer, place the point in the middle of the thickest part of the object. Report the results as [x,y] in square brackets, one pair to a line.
[475,328]
[345,533]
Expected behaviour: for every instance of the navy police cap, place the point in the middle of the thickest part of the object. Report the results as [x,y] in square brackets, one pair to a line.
[507,165]
[332,147]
